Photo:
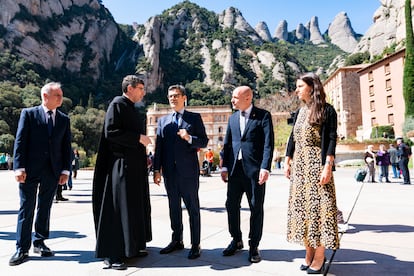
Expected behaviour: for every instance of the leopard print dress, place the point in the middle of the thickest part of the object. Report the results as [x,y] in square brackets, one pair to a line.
[312,212]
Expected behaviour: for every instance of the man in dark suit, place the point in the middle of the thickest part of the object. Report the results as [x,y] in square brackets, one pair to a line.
[247,158]
[179,137]
[41,162]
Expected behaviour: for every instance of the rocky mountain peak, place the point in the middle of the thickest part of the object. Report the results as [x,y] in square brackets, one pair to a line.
[388,28]
[301,32]
[341,33]
[263,31]
[315,35]
[233,18]
[281,31]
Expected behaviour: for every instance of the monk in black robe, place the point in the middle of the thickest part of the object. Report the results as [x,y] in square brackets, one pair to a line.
[121,204]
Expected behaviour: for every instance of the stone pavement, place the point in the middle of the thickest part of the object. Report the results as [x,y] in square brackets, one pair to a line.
[380,243]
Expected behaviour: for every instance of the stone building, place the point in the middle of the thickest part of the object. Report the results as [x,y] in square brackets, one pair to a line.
[343,92]
[214,117]
[382,100]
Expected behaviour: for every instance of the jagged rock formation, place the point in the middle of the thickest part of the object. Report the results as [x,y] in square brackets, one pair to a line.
[388,28]
[341,33]
[160,35]
[220,50]
[73,35]
[232,18]
[301,32]
[281,31]
[315,35]
[263,31]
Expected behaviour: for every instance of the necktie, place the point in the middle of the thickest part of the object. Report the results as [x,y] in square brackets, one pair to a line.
[242,127]
[242,122]
[49,122]
[177,118]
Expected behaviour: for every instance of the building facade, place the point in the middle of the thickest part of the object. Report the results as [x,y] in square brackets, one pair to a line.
[343,92]
[382,100]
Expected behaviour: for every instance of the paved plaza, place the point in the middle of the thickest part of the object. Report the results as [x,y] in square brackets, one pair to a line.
[380,240]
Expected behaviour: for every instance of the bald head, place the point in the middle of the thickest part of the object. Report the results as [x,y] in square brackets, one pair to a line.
[242,97]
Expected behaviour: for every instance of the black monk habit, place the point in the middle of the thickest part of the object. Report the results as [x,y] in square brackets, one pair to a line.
[120,198]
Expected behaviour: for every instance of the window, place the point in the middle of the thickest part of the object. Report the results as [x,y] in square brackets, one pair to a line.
[389,101]
[391,119]
[371,90]
[387,69]
[372,105]
[220,129]
[373,121]
[220,139]
[370,76]
[388,84]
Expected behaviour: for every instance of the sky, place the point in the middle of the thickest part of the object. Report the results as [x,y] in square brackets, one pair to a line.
[360,12]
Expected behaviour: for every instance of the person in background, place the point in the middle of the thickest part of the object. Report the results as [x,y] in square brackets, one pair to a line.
[3,161]
[309,164]
[247,160]
[120,188]
[370,160]
[179,137]
[70,181]
[383,160]
[404,152]
[75,164]
[394,160]
[41,162]
[10,162]
[209,156]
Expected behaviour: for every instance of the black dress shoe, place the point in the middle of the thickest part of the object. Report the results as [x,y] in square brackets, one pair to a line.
[254,255]
[195,252]
[42,249]
[61,199]
[174,245]
[319,271]
[115,263]
[303,267]
[232,248]
[18,258]
[142,253]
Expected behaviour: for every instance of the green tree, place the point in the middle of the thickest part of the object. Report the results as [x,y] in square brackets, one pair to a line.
[86,127]
[6,143]
[408,78]
[10,105]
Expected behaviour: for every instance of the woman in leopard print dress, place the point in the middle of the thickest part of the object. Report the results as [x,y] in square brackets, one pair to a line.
[310,154]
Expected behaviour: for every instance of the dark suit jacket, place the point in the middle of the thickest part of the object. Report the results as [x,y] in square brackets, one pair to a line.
[34,149]
[328,134]
[171,150]
[256,143]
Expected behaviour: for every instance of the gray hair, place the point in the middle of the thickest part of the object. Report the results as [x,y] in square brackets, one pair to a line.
[48,87]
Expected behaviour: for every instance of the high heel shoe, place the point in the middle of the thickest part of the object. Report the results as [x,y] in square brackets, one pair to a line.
[319,271]
[303,267]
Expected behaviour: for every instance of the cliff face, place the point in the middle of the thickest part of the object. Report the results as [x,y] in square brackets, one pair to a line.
[388,28]
[77,36]
[82,38]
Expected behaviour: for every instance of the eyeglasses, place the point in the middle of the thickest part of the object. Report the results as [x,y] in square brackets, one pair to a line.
[174,96]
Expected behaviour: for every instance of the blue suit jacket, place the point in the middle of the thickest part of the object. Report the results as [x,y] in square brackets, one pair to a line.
[34,149]
[171,150]
[256,143]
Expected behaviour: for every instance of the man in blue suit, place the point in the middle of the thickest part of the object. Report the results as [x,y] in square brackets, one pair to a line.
[179,137]
[247,158]
[42,153]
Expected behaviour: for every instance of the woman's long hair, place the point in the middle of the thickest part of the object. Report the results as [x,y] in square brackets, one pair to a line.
[318,98]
